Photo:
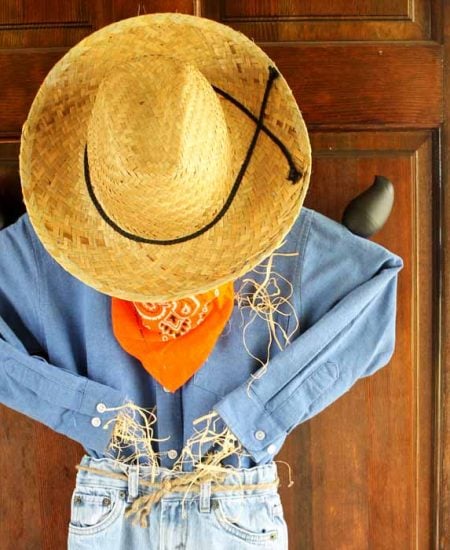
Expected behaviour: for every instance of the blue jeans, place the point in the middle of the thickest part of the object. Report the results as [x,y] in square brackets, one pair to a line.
[210,518]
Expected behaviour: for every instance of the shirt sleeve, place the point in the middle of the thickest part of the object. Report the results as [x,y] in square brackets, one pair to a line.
[29,384]
[348,295]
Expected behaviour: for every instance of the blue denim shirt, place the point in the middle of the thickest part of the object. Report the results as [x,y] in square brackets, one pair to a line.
[59,357]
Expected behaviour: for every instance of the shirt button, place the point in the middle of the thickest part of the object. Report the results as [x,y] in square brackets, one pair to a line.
[166,390]
[96,422]
[271,448]
[172,453]
[260,435]
[101,407]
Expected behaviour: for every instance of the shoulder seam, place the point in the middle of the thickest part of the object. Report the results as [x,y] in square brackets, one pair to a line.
[38,274]
[302,238]
[306,242]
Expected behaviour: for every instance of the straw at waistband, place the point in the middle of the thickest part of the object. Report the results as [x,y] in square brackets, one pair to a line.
[142,505]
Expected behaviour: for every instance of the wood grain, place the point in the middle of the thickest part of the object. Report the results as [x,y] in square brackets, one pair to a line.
[325,20]
[364,85]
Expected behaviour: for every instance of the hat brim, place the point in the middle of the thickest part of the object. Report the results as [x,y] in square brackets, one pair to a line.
[52,153]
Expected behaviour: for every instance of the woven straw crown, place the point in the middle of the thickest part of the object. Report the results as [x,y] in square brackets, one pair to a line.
[159,161]
[163,156]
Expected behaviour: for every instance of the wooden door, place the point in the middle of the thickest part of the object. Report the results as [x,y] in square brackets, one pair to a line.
[370,76]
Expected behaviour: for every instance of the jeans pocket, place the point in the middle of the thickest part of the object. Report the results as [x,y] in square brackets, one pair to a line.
[248,519]
[93,509]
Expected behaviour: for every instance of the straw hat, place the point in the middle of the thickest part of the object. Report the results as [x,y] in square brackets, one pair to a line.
[163,156]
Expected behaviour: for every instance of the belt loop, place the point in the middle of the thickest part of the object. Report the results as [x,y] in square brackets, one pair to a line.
[205,496]
[133,482]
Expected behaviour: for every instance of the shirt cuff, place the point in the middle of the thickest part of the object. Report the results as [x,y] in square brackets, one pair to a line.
[92,419]
[255,428]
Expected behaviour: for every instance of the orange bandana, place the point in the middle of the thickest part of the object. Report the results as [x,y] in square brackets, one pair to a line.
[173,339]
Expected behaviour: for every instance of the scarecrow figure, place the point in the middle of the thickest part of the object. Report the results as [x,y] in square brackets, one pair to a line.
[166,301]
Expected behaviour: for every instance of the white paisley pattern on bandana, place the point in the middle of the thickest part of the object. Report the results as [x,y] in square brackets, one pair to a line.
[174,318]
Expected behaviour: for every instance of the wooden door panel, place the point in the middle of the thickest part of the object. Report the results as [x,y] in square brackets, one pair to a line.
[50,12]
[271,20]
[43,24]
[363,85]
[25,72]
[309,9]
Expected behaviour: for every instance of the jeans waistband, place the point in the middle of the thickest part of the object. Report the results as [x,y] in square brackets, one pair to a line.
[146,485]
[260,474]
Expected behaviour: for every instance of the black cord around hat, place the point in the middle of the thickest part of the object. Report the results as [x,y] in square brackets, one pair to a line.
[294,174]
